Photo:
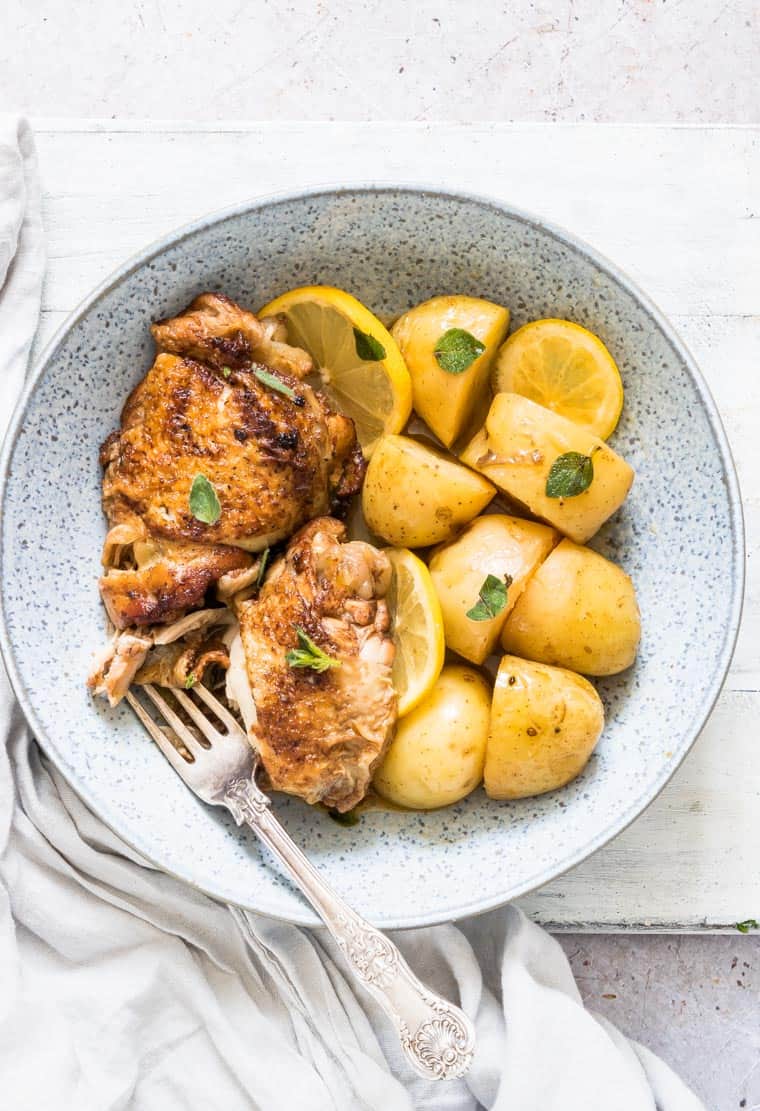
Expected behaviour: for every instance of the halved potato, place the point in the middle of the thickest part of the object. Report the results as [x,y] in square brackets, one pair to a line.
[516,449]
[436,757]
[447,402]
[414,495]
[492,545]
[579,611]
[545,723]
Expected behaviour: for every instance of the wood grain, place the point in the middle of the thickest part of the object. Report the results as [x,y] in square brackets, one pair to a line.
[674,206]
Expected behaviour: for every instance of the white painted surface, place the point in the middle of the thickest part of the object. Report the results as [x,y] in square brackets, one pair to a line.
[540,60]
[677,208]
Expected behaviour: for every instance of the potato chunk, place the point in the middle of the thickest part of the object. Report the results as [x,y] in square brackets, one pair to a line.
[414,495]
[516,449]
[492,545]
[545,723]
[437,755]
[579,611]
[448,402]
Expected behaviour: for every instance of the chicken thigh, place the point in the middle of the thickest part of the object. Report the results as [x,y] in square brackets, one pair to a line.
[320,729]
[274,452]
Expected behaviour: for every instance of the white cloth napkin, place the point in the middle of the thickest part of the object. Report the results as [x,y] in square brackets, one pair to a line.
[122,988]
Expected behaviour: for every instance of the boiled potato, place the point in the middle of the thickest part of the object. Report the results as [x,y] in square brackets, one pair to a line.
[516,449]
[491,545]
[447,401]
[578,611]
[414,495]
[436,757]
[545,723]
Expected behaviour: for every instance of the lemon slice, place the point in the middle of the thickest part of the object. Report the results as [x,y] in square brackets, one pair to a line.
[417,629]
[563,367]
[359,363]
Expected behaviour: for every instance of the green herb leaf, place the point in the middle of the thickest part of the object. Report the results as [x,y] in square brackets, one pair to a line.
[492,598]
[309,654]
[350,818]
[263,561]
[226,371]
[456,350]
[367,347]
[570,475]
[190,681]
[747,925]
[273,382]
[204,504]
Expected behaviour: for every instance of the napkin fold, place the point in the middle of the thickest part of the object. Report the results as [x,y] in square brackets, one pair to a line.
[120,987]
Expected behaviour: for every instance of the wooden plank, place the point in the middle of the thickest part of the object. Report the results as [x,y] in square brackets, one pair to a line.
[109,194]
[671,205]
[691,859]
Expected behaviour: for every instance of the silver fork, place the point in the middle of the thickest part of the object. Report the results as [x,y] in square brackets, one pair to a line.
[438,1039]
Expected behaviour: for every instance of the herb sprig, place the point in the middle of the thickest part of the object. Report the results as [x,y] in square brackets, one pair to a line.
[570,474]
[346,818]
[492,598]
[274,383]
[203,502]
[456,350]
[368,348]
[309,654]
[263,561]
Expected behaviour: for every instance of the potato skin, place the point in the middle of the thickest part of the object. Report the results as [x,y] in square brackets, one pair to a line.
[545,723]
[495,544]
[414,495]
[579,611]
[516,449]
[448,402]
[436,757]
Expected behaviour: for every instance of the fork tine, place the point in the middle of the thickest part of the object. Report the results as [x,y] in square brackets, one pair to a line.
[221,711]
[175,758]
[191,742]
[206,727]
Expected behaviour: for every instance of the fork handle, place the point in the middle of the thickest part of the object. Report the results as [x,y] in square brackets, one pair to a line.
[437,1038]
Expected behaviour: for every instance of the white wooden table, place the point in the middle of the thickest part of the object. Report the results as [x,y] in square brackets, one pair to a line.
[679,209]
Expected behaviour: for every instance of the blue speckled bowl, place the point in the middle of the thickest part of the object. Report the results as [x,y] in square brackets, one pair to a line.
[679,535]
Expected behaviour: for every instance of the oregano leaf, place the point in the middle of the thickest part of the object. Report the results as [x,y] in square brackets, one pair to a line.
[456,350]
[204,504]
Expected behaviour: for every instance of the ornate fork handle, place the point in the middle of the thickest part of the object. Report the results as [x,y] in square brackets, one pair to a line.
[437,1037]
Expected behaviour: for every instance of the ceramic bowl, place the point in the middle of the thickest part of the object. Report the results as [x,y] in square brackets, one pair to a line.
[679,535]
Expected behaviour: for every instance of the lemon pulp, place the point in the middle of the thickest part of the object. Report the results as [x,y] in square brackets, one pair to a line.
[565,368]
[334,327]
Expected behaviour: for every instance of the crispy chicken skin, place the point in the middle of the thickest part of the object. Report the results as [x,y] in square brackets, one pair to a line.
[164,579]
[275,458]
[321,735]
[216,330]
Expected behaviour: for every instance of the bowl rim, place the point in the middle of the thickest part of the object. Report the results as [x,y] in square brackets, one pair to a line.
[711,692]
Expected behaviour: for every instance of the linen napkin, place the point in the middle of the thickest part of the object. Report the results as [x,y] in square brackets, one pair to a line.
[122,988]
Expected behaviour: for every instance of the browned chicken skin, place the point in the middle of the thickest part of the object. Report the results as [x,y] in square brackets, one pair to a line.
[321,735]
[216,330]
[276,457]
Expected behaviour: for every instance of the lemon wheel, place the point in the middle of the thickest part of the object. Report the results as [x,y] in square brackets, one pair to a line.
[417,629]
[360,366]
[563,367]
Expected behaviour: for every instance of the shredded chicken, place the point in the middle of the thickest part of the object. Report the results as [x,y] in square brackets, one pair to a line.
[133,653]
[320,735]
[117,664]
[183,663]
